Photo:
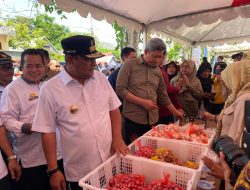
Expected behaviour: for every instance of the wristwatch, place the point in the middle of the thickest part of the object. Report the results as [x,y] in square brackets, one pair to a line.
[51,172]
[12,157]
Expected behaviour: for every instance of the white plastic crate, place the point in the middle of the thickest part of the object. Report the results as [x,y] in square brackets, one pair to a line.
[99,178]
[209,132]
[182,150]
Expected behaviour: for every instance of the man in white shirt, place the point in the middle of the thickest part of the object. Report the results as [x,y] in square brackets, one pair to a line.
[6,74]
[84,107]
[18,107]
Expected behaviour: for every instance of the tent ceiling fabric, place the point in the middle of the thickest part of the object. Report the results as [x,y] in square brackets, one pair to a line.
[193,21]
[210,28]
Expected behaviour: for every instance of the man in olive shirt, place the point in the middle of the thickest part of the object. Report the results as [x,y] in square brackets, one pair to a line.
[141,85]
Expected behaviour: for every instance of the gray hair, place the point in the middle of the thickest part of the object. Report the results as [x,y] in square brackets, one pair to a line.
[155,44]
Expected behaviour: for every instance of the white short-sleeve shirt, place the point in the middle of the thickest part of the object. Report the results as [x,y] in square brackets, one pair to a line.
[86,135]
[18,106]
[3,169]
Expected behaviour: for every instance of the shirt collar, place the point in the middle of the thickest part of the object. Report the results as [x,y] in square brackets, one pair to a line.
[141,60]
[29,81]
[66,78]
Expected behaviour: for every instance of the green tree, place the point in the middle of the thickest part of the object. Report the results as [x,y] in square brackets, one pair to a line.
[121,36]
[174,52]
[37,32]
[23,27]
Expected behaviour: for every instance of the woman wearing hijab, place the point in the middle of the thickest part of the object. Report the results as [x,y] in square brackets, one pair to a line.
[204,75]
[190,92]
[169,72]
[236,87]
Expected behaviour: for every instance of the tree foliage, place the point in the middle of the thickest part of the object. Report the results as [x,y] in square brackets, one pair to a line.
[121,36]
[174,52]
[37,32]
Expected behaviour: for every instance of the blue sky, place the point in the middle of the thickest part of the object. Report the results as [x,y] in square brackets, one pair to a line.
[74,21]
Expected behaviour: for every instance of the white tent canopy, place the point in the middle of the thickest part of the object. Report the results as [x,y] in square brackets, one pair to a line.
[196,22]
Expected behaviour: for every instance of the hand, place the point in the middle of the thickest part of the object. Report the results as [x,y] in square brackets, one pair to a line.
[180,114]
[207,95]
[15,169]
[186,80]
[216,168]
[226,168]
[57,181]
[149,105]
[179,84]
[119,147]
[207,116]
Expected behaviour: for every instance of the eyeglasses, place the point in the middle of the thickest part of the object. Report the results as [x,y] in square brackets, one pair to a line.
[7,67]
[185,66]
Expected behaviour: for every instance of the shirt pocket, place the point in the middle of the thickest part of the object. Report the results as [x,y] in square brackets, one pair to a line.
[101,102]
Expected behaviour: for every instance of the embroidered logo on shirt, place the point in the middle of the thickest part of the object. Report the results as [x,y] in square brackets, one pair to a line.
[33,96]
[73,109]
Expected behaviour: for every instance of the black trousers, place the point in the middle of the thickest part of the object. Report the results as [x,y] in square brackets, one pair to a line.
[134,130]
[5,183]
[73,186]
[37,178]
[166,119]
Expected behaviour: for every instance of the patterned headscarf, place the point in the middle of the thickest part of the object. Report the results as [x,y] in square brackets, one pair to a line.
[237,79]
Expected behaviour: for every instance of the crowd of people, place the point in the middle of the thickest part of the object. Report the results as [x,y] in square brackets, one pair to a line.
[58,125]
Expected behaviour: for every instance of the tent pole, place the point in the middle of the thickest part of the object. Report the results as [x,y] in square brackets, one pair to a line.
[144,37]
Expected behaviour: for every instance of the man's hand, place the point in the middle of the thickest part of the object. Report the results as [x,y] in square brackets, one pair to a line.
[119,147]
[207,116]
[57,181]
[149,105]
[179,114]
[15,169]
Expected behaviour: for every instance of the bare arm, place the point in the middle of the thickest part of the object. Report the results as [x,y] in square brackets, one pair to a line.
[174,111]
[118,144]
[13,165]
[57,180]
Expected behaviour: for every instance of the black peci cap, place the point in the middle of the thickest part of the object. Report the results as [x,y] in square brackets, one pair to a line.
[5,59]
[80,45]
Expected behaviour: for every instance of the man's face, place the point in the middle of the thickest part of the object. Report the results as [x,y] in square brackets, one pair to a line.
[6,74]
[83,67]
[132,55]
[153,58]
[33,68]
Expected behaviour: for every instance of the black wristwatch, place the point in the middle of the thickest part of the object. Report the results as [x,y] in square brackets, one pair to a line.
[51,172]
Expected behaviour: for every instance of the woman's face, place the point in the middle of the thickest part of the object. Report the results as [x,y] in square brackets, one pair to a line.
[171,69]
[205,74]
[185,68]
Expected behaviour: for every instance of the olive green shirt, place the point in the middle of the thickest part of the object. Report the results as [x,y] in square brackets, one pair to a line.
[146,82]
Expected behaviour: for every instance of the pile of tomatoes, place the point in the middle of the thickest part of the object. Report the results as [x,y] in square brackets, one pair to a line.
[137,182]
[193,133]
